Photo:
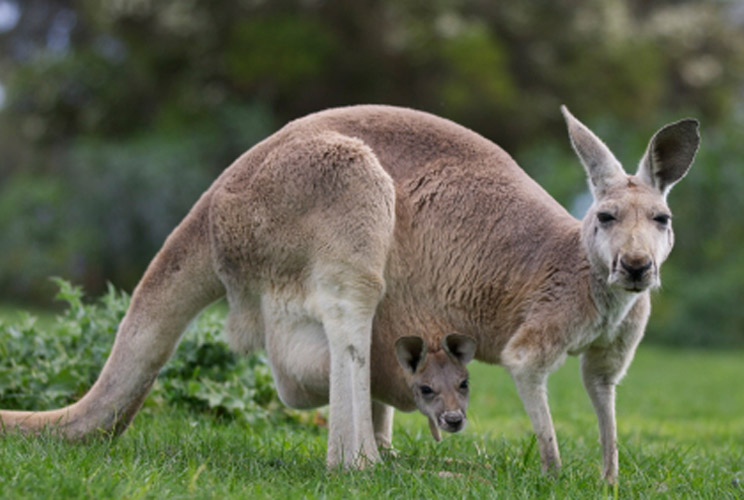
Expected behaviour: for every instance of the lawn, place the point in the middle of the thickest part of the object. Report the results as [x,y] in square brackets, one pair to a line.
[681,433]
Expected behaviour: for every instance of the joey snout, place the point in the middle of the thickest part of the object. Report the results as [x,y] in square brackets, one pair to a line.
[447,417]
[450,421]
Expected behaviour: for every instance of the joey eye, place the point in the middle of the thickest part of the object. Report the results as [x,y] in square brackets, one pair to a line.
[605,217]
[464,384]
[662,219]
[426,390]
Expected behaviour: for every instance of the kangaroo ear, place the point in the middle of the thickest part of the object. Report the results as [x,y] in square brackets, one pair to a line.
[600,164]
[670,154]
[411,353]
[461,347]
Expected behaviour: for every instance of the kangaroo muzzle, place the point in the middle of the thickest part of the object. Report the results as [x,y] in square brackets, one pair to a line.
[634,271]
[452,421]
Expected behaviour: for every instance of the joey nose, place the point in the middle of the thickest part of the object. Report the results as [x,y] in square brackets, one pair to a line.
[453,421]
[636,266]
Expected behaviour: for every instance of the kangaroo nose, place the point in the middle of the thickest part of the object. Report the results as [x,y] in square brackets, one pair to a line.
[453,419]
[636,266]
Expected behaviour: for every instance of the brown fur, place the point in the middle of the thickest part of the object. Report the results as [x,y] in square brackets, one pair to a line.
[374,222]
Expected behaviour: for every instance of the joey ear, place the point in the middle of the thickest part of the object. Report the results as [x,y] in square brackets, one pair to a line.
[461,347]
[599,162]
[411,353]
[670,154]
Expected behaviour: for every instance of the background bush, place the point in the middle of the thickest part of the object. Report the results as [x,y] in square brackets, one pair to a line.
[52,366]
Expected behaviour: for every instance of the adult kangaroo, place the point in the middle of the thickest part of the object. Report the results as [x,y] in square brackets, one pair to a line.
[369,222]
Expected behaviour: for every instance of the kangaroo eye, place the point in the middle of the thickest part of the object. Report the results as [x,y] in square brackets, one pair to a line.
[605,217]
[662,219]
[426,390]
[464,384]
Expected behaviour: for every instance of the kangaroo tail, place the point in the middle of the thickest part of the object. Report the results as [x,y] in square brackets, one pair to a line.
[179,282]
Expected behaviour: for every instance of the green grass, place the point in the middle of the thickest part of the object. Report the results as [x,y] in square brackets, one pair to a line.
[681,434]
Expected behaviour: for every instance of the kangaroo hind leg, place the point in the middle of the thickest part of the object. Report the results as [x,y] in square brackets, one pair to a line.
[309,230]
[353,234]
[347,302]
[382,420]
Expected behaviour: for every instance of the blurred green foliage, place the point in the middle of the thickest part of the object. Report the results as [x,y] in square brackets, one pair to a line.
[118,114]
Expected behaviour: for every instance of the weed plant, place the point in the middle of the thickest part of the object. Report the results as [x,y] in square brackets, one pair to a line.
[52,366]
